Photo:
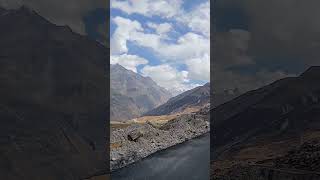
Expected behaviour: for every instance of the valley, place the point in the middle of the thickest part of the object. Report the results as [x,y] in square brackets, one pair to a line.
[138,138]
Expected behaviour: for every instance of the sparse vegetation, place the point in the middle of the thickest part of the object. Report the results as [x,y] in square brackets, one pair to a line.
[156,121]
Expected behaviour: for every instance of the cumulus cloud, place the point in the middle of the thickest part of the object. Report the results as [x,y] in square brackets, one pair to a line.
[70,13]
[199,68]
[227,79]
[198,19]
[161,29]
[188,49]
[231,51]
[191,49]
[169,77]
[163,8]
[286,29]
[189,45]
[130,62]
[275,41]
[125,31]
[231,48]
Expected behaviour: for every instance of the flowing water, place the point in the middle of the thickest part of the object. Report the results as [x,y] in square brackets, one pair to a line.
[186,161]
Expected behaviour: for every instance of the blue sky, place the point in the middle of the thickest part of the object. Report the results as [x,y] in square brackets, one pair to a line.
[167,40]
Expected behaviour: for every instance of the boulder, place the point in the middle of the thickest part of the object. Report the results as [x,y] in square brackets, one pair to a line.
[135,135]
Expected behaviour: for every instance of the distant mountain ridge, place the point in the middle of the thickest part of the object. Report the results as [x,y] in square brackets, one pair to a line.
[196,97]
[132,94]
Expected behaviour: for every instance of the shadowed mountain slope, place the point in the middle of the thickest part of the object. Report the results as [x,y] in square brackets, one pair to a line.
[53,109]
[269,105]
[261,126]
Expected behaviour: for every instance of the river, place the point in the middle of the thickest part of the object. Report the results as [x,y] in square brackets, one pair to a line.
[186,161]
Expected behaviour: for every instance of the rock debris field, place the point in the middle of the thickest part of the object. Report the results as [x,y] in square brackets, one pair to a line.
[138,141]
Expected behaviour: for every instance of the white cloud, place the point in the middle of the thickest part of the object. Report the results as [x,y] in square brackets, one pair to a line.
[163,8]
[123,33]
[198,19]
[228,79]
[161,29]
[128,61]
[188,46]
[191,49]
[199,68]
[168,77]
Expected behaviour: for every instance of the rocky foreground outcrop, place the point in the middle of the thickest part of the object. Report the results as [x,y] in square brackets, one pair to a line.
[267,173]
[306,157]
[139,141]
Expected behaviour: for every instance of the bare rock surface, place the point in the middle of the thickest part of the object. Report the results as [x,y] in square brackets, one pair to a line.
[141,140]
[196,97]
[132,94]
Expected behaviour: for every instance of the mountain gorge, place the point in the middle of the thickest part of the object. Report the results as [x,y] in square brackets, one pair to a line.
[183,117]
[132,94]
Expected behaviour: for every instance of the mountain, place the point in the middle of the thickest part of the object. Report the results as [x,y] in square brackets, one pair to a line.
[194,98]
[259,128]
[133,94]
[219,98]
[53,106]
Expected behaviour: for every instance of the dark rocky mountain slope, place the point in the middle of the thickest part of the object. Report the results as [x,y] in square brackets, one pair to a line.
[196,97]
[276,103]
[259,127]
[53,109]
[132,94]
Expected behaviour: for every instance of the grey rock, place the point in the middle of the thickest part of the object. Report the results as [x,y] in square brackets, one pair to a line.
[132,94]
[198,96]
[155,139]
[135,135]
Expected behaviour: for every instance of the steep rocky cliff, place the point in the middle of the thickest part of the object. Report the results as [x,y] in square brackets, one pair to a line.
[132,94]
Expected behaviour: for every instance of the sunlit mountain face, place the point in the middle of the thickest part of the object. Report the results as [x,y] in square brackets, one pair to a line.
[132,94]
